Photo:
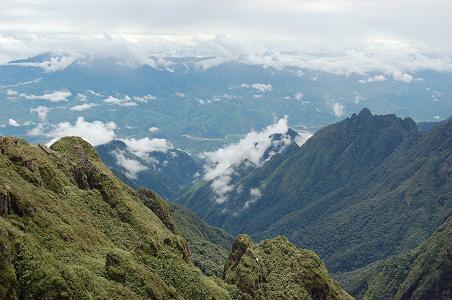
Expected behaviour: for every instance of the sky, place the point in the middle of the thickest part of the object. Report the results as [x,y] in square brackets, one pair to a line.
[312,25]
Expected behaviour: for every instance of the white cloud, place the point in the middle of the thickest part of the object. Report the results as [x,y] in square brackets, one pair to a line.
[94,93]
[11,93]
[302,137]
[358,98]
[255,194]
[14,123]
[261,87]
[142,147]
[39,130]
[376,78]
[132,167]
[82,97]
[220,164]
[55,96]
[96,132]
[145,98]
[299,96]
[154,129]
[42,112]
[126,101]
[83,106]
[338,109]
[57,63]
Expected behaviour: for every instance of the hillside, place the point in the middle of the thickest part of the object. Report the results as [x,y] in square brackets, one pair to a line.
[357,192]
[69,229]
[166,172]
[423,273]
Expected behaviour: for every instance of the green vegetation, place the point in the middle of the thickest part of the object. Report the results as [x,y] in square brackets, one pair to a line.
[209,245]
[359,191]
[69,229]
[276,269]
[423,273]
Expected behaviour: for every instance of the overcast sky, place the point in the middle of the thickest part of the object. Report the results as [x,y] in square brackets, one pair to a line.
[283,24]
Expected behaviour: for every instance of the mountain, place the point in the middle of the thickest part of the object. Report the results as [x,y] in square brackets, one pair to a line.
[423,273]
[426,126]
[69,229]
[276,269]
[358,191]
[167,172]
[200,109]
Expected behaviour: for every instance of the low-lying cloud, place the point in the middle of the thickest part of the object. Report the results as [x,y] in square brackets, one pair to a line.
[82,107]
[54,96]
[96,132]
[131,166]
[219,167]
[142,147]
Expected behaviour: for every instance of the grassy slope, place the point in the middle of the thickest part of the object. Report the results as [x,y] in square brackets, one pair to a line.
[75,231]
[210,246]
[423,273]
[276,269]
[69,229]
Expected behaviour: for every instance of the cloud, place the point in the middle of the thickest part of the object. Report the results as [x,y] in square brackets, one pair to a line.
[57,63]
[302,137]
[299,96]
[144,98]
[255,194]
[338,109]
[55,96]
[96,132]
[132,167]
[42,112]
[126,101]
[154,129]
[262,87]
[14,123]
[83,107]
[395,58]
[376,78]
[142,147]
[220,164]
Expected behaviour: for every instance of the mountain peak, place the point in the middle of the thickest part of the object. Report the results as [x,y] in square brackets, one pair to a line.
[365,113]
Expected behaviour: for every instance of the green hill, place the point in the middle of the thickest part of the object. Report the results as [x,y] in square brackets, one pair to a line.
[423,273]
[69,229]
[357,192]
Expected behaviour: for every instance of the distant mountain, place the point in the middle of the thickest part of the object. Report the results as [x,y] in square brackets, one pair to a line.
[69,229]
[426,126]
[197,108]
[423,273]
[358,191]
[201,196]
[165,172]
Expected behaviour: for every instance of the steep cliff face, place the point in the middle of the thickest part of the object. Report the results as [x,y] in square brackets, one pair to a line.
[69,229]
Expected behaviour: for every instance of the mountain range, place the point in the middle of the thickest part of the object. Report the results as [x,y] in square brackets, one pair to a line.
[69,229]
[200,108]
[357,192]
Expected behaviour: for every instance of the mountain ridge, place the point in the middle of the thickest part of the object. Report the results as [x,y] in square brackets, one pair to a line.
[368,182]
